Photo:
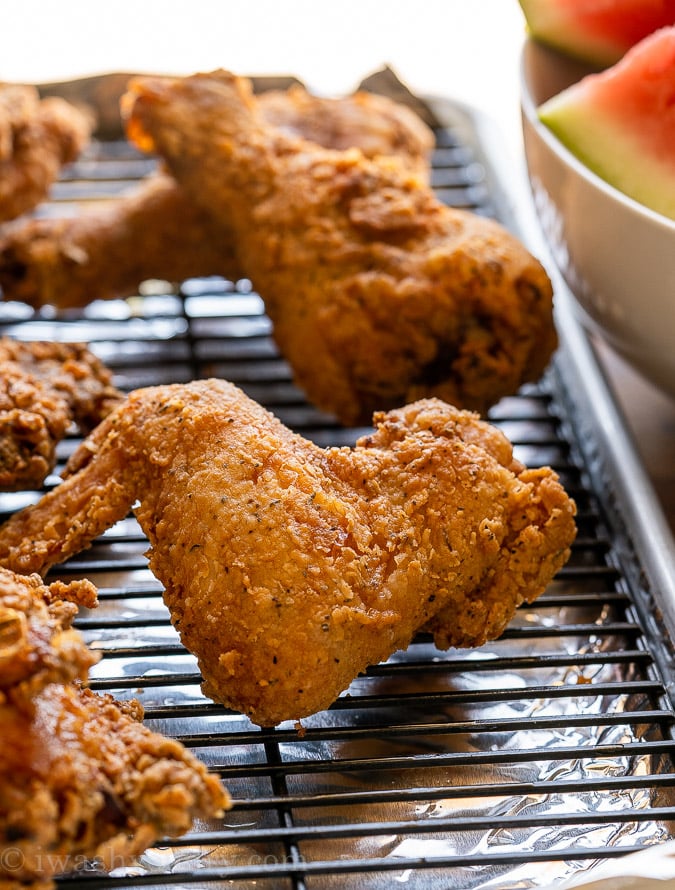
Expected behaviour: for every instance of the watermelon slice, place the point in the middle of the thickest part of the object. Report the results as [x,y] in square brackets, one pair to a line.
[596,31]
[621,122]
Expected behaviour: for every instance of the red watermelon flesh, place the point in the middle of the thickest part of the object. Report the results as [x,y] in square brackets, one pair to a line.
[596,31]
[621,122]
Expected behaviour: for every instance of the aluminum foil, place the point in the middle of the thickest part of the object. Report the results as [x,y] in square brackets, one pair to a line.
[499,729]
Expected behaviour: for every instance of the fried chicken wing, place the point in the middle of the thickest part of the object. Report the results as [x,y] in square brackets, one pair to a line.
[44,388]
[288,568]
[159,232]
[379,294]
[37,138]
[80,777]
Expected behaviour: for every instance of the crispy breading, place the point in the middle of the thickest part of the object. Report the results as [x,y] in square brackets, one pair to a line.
[379,294]
[37,138]
[105,253]
[37,643]
[374,124]
[44,389]
[80,777]
[158,232]
[288,568]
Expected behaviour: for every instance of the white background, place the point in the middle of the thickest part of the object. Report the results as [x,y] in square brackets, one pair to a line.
[466,49]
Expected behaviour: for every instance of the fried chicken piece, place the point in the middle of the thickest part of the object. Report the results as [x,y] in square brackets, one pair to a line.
[44,388]
[102,254]
[37,643]
[379,294]
[158,232]
[374,124]
[288,568]
[80,778]
[37,138]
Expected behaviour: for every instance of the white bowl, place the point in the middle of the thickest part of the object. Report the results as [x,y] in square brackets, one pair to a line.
[617,256]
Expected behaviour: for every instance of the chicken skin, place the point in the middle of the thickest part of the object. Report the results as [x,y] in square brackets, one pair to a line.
[159,232]
[37,138]
[289,568]
[379,294]
[44,389]
[80,777]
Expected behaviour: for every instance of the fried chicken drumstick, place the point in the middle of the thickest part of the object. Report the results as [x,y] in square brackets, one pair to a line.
[80,777]
[288,568]
[153,232]
[379,294]
[37,138]
[44,388]
[159,232]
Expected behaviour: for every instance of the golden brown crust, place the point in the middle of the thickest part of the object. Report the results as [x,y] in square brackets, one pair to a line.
[37,643]
[81,778]
[288,569]
[37,138]
[44,388]
[378,293]
[154,232]
[376,125]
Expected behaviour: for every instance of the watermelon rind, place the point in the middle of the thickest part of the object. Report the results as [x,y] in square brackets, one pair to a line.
[550,24]
[599,32]
[610,153]
[621,141]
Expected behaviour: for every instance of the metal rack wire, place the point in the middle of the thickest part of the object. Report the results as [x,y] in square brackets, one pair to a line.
[514,765]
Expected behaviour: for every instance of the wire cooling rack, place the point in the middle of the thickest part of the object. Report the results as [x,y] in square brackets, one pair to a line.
[510,766]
